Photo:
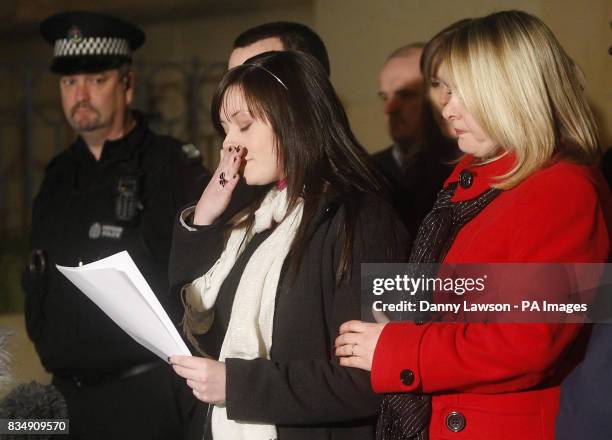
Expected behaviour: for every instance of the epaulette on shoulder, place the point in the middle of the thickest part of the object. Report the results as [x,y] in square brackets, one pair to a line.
[174,149]
[191,153]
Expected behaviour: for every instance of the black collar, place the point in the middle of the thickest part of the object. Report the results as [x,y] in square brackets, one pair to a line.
[118,149]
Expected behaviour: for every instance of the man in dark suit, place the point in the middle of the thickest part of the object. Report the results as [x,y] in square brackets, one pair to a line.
[586,407]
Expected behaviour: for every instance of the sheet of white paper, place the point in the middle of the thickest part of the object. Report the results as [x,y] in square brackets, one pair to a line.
[116,286]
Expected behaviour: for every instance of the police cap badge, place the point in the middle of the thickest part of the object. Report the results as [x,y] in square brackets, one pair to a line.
[86,42]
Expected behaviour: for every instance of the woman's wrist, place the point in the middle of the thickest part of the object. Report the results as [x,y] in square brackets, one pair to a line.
[202,218]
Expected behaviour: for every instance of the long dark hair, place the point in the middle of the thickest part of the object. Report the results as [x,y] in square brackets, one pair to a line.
[318,151]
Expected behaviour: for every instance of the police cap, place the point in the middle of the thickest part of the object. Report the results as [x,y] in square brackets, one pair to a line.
[89,42]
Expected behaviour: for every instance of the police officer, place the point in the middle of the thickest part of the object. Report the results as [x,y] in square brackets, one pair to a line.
[117,187]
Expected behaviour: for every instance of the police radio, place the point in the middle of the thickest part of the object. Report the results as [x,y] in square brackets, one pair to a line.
[127,201]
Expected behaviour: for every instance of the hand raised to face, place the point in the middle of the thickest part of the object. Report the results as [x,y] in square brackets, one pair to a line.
[218,192]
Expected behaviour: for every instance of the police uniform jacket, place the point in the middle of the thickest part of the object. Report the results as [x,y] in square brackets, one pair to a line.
[75,221]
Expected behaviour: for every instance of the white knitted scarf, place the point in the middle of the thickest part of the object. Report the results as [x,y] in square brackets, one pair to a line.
[249,332]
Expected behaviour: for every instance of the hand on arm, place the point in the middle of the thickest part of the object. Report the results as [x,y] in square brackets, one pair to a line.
[356,344]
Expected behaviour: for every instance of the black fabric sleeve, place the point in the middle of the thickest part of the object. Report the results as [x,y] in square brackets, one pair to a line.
[195,248]
[171,180]
[193,252]
[320,391]
[298,393]
[190,180]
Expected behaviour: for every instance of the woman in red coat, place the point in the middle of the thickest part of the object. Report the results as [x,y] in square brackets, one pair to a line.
[528,173]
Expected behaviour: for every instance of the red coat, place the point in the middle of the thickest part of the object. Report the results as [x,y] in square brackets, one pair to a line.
[501,381]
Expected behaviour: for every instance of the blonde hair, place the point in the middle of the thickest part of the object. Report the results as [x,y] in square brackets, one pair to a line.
[431,57]
[523,89]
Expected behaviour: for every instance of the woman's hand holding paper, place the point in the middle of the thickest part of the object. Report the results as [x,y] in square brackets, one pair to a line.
[205,377]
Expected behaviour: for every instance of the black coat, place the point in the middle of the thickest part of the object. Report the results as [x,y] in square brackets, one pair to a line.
[302,389]
[414,189]
[73,220]
[586,404]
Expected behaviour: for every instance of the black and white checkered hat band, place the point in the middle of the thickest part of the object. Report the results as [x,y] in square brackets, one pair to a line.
[92,46]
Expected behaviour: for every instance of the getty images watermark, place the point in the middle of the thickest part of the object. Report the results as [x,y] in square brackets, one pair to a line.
[525,292]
